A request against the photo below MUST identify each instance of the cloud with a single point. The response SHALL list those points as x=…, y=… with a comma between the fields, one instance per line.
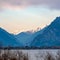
x=53, y=4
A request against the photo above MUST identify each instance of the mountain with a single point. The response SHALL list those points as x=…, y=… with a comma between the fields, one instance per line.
x=24, y=37
x=7, y=39
x=50, y=35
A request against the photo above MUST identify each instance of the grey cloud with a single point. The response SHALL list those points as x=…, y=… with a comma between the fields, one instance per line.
x=53, y=4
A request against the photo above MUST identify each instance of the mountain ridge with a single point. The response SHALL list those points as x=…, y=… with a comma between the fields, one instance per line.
x=50, y=36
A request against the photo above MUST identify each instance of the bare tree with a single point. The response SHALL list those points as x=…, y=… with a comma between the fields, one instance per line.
x=58, y=55
x=26, y=57
x=49, y=57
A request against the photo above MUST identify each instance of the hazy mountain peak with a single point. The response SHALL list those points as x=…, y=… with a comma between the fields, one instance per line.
x=55, y=24
x=57, y=19
x=1, y=28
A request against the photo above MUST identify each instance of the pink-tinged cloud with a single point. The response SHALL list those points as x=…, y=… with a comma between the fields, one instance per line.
x=54, y=4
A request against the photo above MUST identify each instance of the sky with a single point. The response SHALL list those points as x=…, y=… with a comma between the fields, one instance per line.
x=24, y=15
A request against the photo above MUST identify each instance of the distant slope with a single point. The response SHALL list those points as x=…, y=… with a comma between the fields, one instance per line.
x=50, y=35
x=7, y=39
x=24, y=37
